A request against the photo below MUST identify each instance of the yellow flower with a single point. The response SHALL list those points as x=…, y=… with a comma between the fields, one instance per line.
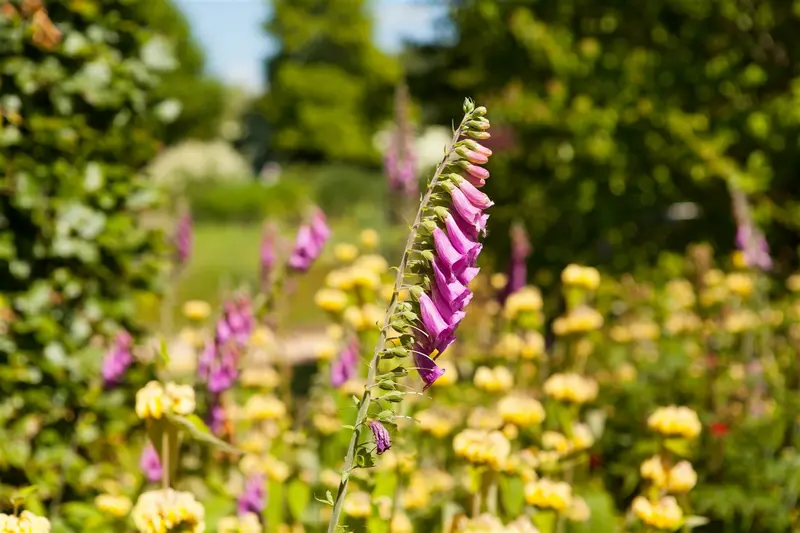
x=740, y=284
x=582, y=319
x=326, y=424
x=508, y=346
x=262, y=407
x=741, y=320
x=331, y=300
x=353, y=387
x=345, y=252
x=196, y=310
x=116, y=506
x=180, y=398
x=263, y=378
x=228, y=524
x=374, y=262
x=26, y=522
x=365, y=277
x=358, y=505
x=653, y=470
x=437, y=424
x=626, y=373
x=675, y=421
x=579, y=276
x=329, y=478
x=525, y=300
x=159, y=511
x=510, y=431
x=262, y=337
x=582, y=437
x=339, y=279
x=682, y=478
x=370, y=239
x=548, y=494
x=498, y=379
x=498, y=281
x=276, y=470
x=683, y=322
x=418, y=494
x=150, y=401
x=477, y=446
x=372, y=316
x=533, y=345
x=578, y=510
x=793, y=283
x=665, y=514
x=484, y=418
x=737, y=258
x=571, y=388
x=401, y=523
x=553, y=440
x=521, y=411
x=353, y=317
x=680, y=294
x=249, y=523
x=713, y=277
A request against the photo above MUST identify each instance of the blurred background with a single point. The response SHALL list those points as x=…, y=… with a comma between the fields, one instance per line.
x=621, y=127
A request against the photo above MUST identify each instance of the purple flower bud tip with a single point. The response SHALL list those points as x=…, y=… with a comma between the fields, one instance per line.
x=477, y=198
x=476, y=157
x=382, y=439
x=151, y=464
x=428, y=370
x=117, y=360
x=346, y=366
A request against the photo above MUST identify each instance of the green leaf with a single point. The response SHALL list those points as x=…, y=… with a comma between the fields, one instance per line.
x=692, y=522
x=680, y=447
x=195, y=426
x=512, y=494
x=298, y=495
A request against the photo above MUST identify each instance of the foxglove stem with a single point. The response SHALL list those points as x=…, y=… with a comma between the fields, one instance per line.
x=363, y=407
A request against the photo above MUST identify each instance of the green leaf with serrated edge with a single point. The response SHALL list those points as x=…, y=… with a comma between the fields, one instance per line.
x=298, y=495
x=198, y=430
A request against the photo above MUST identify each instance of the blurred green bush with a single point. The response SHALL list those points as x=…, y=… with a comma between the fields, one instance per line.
x=247, y=201
x=79, y=121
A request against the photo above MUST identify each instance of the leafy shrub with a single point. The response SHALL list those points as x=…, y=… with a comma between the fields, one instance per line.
x=247, y=201
x=76, y=128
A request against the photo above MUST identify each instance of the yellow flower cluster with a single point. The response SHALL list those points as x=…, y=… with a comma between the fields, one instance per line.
x=273, y=468
x=664, y=514
x=582, y=439
x=571, y=388
x=155, y=399
x=679, y=479
x=116, y=506
x=548, y=494
x=683, y=322
x=198, y=310
x=260, y=378
x=675, y=421
x=438, y=424
x=793, y=283
x=368, y=316
x=345, y=252
x=680, y=294
x=521, y=411
x=525, y=300
x=249, y=523
x=417, y=494
x=741, y=320
x=487, y=523
x=331, y=300
x=401, y=523
x=582, y=319
x=482, y=447
x=640, y=330
x=263, y=407
x=160, y=511
x=740, y=284
x=358, y=504
x=26, y=522
x=512, y=346
x=587, y=278
x=498, y=379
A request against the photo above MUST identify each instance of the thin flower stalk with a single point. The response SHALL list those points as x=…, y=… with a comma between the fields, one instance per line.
x=436, y=263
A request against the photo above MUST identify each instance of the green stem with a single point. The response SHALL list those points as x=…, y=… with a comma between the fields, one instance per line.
x=363, y=407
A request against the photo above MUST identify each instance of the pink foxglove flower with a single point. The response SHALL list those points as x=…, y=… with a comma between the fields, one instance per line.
x=117, y=359
x=311, y=238
x=399, y=161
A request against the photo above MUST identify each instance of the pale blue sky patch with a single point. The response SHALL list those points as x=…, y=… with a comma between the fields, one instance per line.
x=231, y=31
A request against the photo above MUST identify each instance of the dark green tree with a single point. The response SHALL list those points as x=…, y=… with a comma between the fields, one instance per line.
x=618, y=110
x=329, y=86
x=201, y=97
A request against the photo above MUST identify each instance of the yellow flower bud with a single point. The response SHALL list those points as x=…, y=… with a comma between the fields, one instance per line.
x=345, y=252
x=331, y=300
x=675, y=421
x=196, y=310
x=370, y=239
x=548, y=494
x=587, y=278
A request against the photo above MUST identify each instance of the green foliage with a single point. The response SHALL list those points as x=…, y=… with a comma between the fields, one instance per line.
x=619, y=109
x=245, y=201
x=330, y=87
x=76, y=129
x=201, y=98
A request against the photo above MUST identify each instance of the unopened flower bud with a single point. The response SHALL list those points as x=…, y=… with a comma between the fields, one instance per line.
x=479, y=111
x=480, y=135
x=481, y=125
x=469, y=106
